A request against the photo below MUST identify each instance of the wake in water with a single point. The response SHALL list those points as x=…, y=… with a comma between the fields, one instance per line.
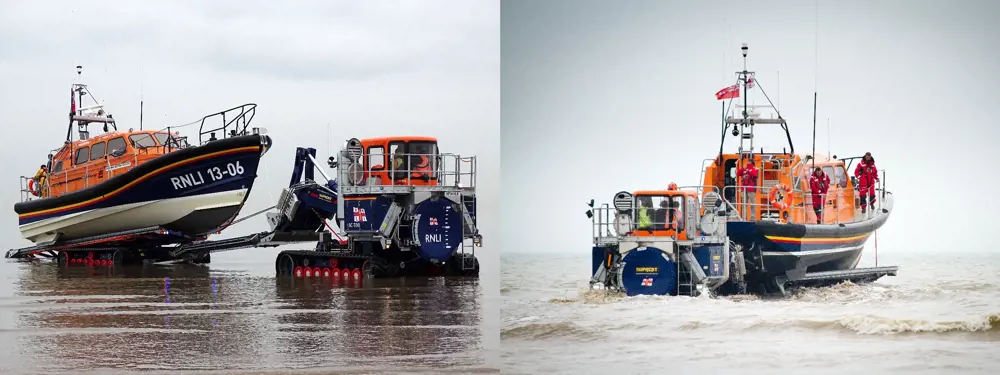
x=817, y=309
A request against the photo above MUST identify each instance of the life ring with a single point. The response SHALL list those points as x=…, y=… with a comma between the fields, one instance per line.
x=32, y=187
x=776, y=201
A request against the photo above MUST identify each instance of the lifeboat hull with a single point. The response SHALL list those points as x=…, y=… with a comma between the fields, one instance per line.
x=194, y=191
x=792, y=250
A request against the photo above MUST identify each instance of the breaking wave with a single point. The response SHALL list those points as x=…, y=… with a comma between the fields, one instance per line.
x=866, y=325
x=536, y=331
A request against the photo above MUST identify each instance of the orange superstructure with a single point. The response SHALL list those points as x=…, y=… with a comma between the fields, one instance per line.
x=83, y=163
x=784, y=181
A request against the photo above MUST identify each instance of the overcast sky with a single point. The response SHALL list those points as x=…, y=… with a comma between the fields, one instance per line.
x=590, y=88
x=365, y=68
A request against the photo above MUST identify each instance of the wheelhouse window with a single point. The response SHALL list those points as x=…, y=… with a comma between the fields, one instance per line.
x=82, y=155
x=142, y=140
x=828, y=170
x=57, y=167
x=660, y=212
x=97, y=151
x=171, y=141
x=162, y=138
x=117, y=144
x=840, y=176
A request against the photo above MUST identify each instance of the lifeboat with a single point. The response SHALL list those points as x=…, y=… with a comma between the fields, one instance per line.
x=124, y=180
x=771, y=212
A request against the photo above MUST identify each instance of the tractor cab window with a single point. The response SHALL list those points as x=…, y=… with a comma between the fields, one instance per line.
x=423, y=157
x=375, y=158
x=662, y=212
x=427, y=149
x=397, y=160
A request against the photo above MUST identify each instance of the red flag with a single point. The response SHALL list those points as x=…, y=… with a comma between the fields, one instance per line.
x=72, y=102
x=750, y=83
x=728, y=92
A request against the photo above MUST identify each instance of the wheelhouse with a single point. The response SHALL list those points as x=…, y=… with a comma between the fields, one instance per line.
x=401, y=160
x=90, y=161
x=782, y=191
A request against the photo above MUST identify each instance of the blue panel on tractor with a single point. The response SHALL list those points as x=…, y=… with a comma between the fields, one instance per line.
x=437, y=229
x=711, y=260
x=648, y=271
x=365, y=213
x=599, y=256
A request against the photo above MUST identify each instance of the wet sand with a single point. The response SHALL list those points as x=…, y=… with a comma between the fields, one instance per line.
x=234, y=316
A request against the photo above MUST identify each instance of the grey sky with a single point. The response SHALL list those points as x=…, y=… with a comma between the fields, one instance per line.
x=367, y=68
x=600, y=97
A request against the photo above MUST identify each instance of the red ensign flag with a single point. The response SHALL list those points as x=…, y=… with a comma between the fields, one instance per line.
x=728, y=92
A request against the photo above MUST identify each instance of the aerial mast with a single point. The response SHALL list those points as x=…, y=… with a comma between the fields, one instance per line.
x=74, y=103
x=746, y=95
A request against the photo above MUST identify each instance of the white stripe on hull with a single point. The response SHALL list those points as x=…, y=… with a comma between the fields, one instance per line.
x=812, y=252
x=128, y=216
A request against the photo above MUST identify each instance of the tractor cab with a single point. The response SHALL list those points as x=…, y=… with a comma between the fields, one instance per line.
x=665, y=213
x=401, y=161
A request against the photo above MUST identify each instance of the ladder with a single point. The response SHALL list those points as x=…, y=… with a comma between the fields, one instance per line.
x=685, y=283
x=469, y=236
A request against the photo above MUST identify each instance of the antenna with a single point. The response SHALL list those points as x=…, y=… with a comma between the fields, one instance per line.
x=814, y=130
x=746, y=93
x=141, y=90
x=815, y=80
x=828, y=148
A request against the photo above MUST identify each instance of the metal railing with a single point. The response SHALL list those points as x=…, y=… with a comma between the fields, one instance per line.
x=58, y=183
x=443, y=169
x=608, y=222
x=835, y=203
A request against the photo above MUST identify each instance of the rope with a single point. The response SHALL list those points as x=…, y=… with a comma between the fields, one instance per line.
x=246, y=217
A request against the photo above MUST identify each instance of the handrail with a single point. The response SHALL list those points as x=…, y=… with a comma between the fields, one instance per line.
x=443, y=169
x=804, y=198
x=241, y=119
